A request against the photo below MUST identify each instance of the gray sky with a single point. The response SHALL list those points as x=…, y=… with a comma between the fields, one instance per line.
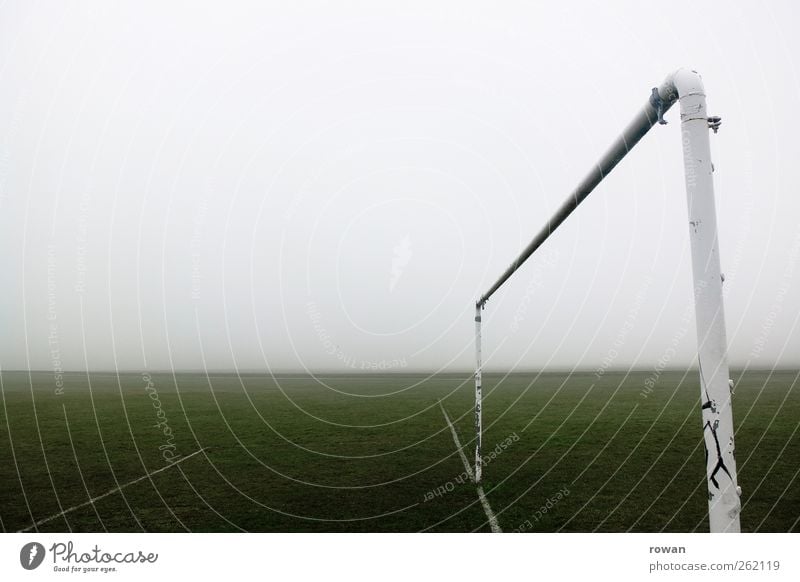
x=331, y=185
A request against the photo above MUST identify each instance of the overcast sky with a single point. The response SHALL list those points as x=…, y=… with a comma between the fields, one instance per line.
x=332, y=185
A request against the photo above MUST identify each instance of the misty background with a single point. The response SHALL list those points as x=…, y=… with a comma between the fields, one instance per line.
x=330, y=186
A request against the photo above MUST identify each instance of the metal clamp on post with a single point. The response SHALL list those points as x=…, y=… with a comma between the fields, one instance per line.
x=658, y=104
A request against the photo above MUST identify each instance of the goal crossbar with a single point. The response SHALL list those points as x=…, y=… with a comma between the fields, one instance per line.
x=686, y=87
x=652, y=112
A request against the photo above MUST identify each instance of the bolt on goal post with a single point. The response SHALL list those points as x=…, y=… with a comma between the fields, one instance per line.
x=686, y=87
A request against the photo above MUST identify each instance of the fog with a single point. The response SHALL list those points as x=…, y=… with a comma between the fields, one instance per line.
x=330, y=186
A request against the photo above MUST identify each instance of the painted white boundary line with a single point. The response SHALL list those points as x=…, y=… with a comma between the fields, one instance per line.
x=487, y=509
x=456, y=440
x=107, y=493
x=493, y=523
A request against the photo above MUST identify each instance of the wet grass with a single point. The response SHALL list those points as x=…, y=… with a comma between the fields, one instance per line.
x=374, y=453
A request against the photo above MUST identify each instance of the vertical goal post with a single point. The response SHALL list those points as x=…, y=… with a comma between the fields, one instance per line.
x=686, y=87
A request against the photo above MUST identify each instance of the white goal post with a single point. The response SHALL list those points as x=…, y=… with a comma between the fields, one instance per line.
x=685, y=86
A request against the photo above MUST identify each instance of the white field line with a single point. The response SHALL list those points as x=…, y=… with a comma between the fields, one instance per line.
x=493, y=523
x=456, y=440
x=107, y=493
x=487, y=509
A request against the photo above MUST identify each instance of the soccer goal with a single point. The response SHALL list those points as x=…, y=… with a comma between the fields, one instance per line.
x=686, y=87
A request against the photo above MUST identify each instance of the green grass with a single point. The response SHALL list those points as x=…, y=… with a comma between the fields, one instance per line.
x=364, y=453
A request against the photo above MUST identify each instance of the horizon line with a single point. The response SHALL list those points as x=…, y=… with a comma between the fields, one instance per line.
x=359, y=372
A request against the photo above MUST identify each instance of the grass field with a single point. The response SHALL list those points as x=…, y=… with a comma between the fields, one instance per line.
x=374, y=452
